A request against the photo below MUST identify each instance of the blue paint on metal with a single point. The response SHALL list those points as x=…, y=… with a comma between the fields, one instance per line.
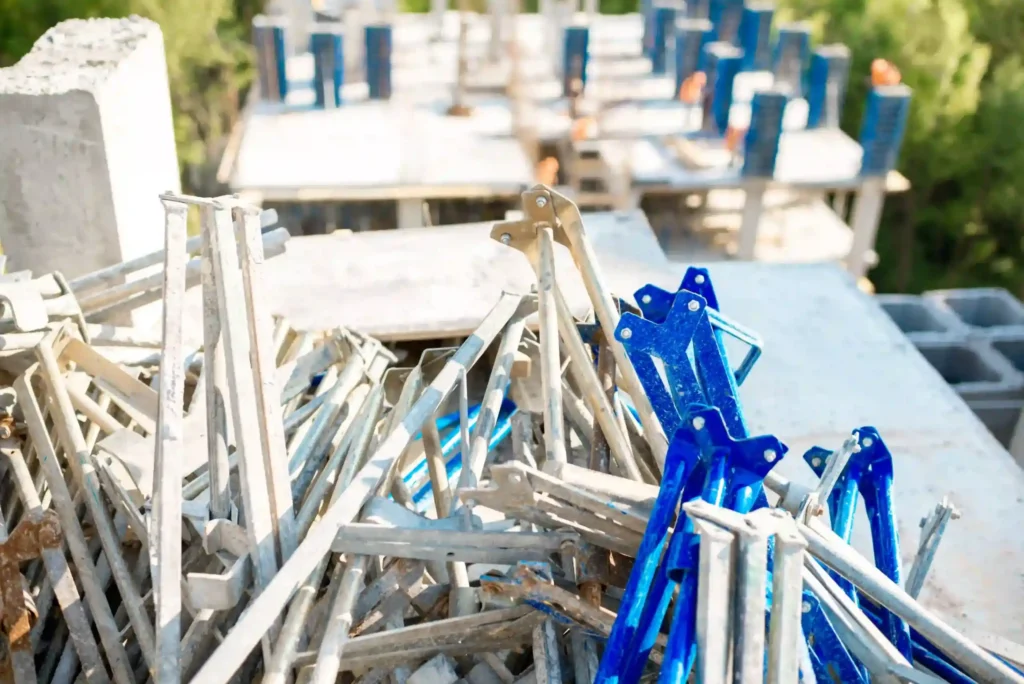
x=826, y=85
x=280, y=57
x=680, y=460
x=870, y=473
x=726, y=15
x=647, y=37
x=328, y=66
x=925, y=652
x=268, y=38
x=655, y=303
x=663, y=32
x=378, y=61
x=761, y=144
x=692, y=35
x=885, y=122
x=575, y=57
x=702, y=401
x=733, y=477
x=792, y=53
x=755, y=37
x=722, y=62
x=830, y=659
x=453, y=466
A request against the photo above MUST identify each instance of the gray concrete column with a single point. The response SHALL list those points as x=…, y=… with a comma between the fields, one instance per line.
x=86, y=145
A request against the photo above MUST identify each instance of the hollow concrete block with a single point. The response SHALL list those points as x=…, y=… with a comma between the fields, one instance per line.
x=984, y=310
x=922, y=319
x=86, y=146
x=973, y=369
x=1000, y=416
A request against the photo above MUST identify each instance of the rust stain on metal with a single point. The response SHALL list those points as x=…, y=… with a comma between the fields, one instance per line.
x=36, y=532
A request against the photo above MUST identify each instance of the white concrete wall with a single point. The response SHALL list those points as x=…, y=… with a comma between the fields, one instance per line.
x=86, y=145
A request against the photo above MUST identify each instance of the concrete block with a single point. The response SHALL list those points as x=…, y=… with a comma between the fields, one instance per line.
x=86, y=145
x=922, y=319
x=973, y=369
x=1000, y=416
x=984, y=310
x=1010, y=345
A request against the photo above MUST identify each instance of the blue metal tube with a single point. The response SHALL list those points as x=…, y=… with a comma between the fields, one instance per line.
x=378, y=61
x=576, y=53
x=680, y=561
x=885, y=542
x=328, y=66
x=755, y=37
x=453, y=467
x=448, y=444
x=679, y=462
x=664, y=26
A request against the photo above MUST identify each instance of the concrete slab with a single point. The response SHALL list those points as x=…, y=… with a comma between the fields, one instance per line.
x=430, y=282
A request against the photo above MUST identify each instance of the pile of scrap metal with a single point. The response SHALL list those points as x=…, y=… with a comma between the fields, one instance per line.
x=295, y=507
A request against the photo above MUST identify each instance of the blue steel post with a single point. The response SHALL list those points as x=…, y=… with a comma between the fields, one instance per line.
x=663, y=25
x=328, y=64
x=268, y=34
x=761, y=145
x=756, y=35
x=378, y=61
x=723, y=63
x=792, y=53
x=691, y=37
x=575, y=57
x=826, y=85
x=647, y=17
x=726, y=15
x=885, y=122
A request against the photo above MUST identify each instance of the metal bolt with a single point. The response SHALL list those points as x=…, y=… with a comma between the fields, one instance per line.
x=646, y=299
x=699, y=280
x=698, y=423
x=868, y=441
x=815, y=461
x=693, y=305
x=506, y=238
x=805, y=607
x=515, y=478
x=542, y=202
x=626, y=333
x=770, y=455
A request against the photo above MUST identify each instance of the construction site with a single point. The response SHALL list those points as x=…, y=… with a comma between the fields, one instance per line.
x=520, y=348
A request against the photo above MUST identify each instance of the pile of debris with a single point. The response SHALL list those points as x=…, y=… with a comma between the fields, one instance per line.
x=290, y=506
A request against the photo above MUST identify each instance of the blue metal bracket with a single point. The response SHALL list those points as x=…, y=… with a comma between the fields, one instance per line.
x=669, y=341
x=829, y=658
x=733, y=474
x=680, y=461
x=655, y=303
x=870, y=473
